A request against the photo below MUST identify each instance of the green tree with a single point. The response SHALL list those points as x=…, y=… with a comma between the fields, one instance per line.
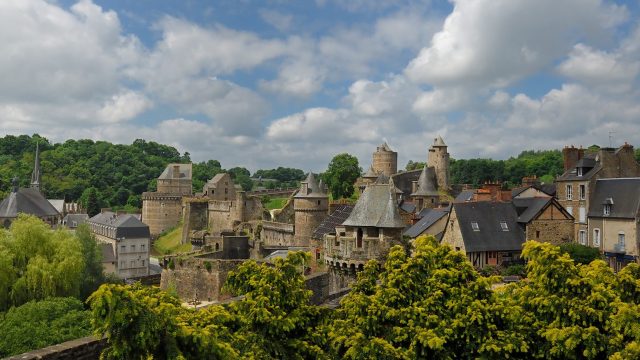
x=38, y=324
x=342, y=173
x=92, y=204
x=580, y=253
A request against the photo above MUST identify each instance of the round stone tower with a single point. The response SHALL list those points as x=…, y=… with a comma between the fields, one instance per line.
x=385, y=160
x=438, y=158
x=311, y=207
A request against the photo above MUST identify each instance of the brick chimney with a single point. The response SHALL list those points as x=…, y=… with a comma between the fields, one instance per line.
x=176, y=171
x=530, y=181
x=571, y=155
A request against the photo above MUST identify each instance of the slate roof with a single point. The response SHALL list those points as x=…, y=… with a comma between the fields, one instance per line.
x=572, y=174
x=58, y=204
x=313, y=188
x=370, y=173
x=185, y=171
x=78, y=218
x=622, y=193
x=438, y=141
x=28, y=201
x=464, y=196
x=216, y=178
x=490, y=236
x=328, y=225
x=528, y=208
x=376, y=207
x=427, y=183
x=407, y=206
x=428, y=219
x=127, y=225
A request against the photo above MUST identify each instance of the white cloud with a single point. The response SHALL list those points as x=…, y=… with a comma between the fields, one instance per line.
x=276, y=19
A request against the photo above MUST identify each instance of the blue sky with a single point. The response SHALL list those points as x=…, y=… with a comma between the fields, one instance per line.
x=292, y=83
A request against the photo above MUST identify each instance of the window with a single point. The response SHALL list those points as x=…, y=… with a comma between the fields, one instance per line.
x=142, y=247
x=143, y=263
x=582, y=237
x=123, y=248
x=579, y=171
x=621, y=239
x=606, y=211
x=122, y=264
x=569, y=192
x=504, y=226
x=133, y=248
x=359, y=238
x=570, y=210
x=596, y=237
x=133, y=263
x=537, y=234
x=583, y=192
x=583, y=214
x=475, y=226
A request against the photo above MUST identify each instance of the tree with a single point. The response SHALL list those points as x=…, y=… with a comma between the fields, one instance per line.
x=38, y=324
x=92, y=253
x=580, y=253
x=92, y=205
x=342, y=173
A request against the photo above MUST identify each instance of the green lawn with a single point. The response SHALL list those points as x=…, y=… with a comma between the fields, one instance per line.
x=169, y=243
x=276, y=203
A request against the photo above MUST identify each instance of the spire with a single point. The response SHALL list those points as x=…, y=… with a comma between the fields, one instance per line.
x=438, y=141
x=426, y=183
x=35, y=176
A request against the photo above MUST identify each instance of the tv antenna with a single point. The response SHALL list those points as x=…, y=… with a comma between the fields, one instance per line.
x=611, y=138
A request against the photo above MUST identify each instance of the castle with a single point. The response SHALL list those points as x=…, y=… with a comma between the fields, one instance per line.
x=162, y=209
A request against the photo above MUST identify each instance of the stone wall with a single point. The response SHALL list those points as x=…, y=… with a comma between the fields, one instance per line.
x=385, y=162
x=86, y=348
x=277, y=234
x=319, y=284
x=286, y=214
x=195, y=216
x=309, y=214
x=552, y=231
x=193, y=278
x=161, y=211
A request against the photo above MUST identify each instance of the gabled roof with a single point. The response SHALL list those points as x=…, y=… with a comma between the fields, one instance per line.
x=58, y=204
x=488, y=216
x=623, y=195
x=126, y=225
x=464, y=196
x=183, y=173
x=27, y=201
x=376, y=207
x=78, y=218
x=428, y=219
x=408, y=207
x=529, y=208
x=370, y=173
x=217, y=177
x=572, y=174
x=328, y=225
x=427, y=183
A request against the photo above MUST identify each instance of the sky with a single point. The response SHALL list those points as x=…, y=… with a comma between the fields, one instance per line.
x=292, y=83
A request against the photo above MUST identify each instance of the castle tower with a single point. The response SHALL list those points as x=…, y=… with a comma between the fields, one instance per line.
x=35, y=176
x=162, y=209
x=385, y=160
x=438, y=158
x=310, y=206
x=425, y=193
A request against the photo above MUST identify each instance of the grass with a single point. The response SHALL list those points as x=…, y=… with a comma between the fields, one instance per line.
x=276, y=203
x=169, y=243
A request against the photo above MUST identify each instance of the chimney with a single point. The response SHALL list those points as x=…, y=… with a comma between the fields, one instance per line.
x=414, y=186
x=530, y=181
x=176, y=171
x=571, y=155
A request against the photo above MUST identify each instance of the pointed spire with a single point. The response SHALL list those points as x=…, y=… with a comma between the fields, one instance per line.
x=426, y=183
x=438, y=141
x=35, y=176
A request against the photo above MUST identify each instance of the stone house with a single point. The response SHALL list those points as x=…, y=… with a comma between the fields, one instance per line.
x=162, y=209
x=574, y=188
x=487, y=232
x=614, y=220
x=129, y=240
x=544, y=219
x=432, y=222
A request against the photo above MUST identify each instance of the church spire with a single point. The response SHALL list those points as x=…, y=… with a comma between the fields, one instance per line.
x=35, y=176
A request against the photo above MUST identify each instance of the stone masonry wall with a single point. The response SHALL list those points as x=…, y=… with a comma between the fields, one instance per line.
x=277, y=234
x=192, y=279
x=86, y=348
x=555, y=231
x=161, y=211
x=195, y=217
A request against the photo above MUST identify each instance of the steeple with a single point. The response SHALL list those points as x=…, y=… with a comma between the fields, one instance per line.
x=35, y=176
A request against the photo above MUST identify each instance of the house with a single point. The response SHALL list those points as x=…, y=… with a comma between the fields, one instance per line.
x=72, y=221
x=614, y=220
x=574, y=188
x=487, y=232
x=544, y=219
x=432, y=222
x=129, y=240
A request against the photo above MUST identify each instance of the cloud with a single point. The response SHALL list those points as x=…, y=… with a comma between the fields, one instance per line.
x=494, y=42
x=277, y=19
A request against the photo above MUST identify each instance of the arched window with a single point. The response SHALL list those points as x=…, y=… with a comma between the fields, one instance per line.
x=359, y=238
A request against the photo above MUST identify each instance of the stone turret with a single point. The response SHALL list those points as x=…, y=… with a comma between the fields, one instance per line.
x=385, y=160
x=438, y=158
x=425, y=194
x=311, y=206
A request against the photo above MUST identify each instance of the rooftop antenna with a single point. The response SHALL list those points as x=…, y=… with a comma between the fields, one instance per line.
x=611, y=138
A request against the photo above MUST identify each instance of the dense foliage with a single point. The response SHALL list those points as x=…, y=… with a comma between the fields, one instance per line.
x=38, y=324
x=37, y=262
x=432, y=304
x=342, y=173
x=280, y=178
x=580, y=253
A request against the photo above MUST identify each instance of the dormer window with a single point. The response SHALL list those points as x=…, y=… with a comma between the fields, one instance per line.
x=475, y=226
x=504, y=226
x=606, y=210
x=579, y=171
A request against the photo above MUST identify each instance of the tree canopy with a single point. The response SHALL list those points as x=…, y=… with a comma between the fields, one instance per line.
x=37, y=262
x=342, y=173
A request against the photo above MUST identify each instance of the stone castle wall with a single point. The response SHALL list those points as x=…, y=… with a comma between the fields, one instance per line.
x=161, y=211
x=86, y=348
x=309, y=213
x=385, y=162
x=195, y=216
x=277, y=234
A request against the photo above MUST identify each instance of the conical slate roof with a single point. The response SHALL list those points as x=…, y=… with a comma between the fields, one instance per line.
x=312, y=188
x=426, y=183
x=438, y=141
x=370, y=173
x=376, y=207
